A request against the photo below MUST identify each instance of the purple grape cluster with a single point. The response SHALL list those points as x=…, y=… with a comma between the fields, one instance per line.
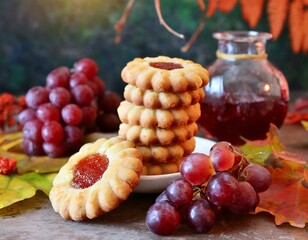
x=224, y=180
x=73, y=102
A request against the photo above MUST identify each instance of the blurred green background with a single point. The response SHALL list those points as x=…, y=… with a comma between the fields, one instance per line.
x=37, y=36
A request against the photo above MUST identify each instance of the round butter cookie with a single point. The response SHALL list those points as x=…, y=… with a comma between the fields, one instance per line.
x=158, y=136
x=162, y=168
x=96, y=179
x=162, y=118
x=165, y=74
x=166, y=154
x=164, y=100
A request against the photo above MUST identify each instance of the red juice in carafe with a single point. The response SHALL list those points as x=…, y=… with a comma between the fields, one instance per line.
x=246, y=92
x=228, y=119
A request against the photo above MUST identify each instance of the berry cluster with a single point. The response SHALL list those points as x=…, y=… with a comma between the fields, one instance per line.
x=224, y=180
x=7, y=165
x=73, y=102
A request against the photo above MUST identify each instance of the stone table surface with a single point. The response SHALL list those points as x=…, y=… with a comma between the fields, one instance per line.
x=35, y=219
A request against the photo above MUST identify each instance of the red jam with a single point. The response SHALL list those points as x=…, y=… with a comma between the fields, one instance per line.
x=89, y=170
x=166, y=65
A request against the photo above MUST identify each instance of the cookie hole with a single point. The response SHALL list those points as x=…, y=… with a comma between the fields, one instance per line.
x=89, y=170
x=166, y=65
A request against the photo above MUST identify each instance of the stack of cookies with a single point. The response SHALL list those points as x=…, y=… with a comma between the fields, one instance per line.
x=160, y=110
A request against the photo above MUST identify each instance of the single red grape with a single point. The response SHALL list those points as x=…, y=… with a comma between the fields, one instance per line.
x=258, y=176
x=162, y=197
x=32, y=131
x=26, y=115
x=82, y=95
x=180, y=192
x=197, y=168
x=36, y=96
x=222, y=155
x=60, y=97
x=32, y=148
x=48, y=112
x=54, y=150
x=200, y=216
x=73, y=136
x=89, y=116
x=52, y=132
x=245, y=199
x=108, y=122
x=93, y=87
x=77, y=78
x=101, y=85
x=109, y=102
x=87, y=66
x=59, y=77
x=221, y=188
x=71, y=114
x=162, y=218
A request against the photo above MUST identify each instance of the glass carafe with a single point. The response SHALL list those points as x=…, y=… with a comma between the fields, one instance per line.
x=246, y=92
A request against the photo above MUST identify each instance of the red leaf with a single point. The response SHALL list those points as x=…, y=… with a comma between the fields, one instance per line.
x=212, y=6
x=226, y=5
x=277, y=11
x=286, y=198
x=252, y=11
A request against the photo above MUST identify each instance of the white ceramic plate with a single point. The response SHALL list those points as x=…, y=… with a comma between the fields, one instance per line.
x=158, y=183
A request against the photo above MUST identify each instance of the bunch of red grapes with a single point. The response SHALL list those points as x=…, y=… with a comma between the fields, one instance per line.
x=224, y=180
x=74, y=102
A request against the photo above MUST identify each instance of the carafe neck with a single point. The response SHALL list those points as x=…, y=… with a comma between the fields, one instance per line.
x=233, y=45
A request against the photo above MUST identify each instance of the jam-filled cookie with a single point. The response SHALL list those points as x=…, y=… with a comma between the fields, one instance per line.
x=96, y=179
x=162, y=136
x=166, y=154
x=165, y=74
x=162, y=118
x=164, y=100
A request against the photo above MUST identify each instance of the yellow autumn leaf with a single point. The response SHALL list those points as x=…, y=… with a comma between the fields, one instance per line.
x=305, y=124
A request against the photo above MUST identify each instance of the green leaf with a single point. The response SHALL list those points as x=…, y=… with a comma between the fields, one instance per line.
x=259, y=151
x=15, y=188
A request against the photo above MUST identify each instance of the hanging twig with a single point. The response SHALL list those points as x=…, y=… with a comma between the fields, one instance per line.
x=162, y=21
x=193, y=38
x=120, y=24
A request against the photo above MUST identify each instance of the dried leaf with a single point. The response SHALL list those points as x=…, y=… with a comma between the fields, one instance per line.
x=296, y=25
x=277, y=11
x=212, y=6
x=252, y=11
x=305, y=33
x=226, y=5
x=286, y=198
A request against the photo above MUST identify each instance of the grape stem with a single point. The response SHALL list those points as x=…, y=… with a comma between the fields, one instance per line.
x=198, y=189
